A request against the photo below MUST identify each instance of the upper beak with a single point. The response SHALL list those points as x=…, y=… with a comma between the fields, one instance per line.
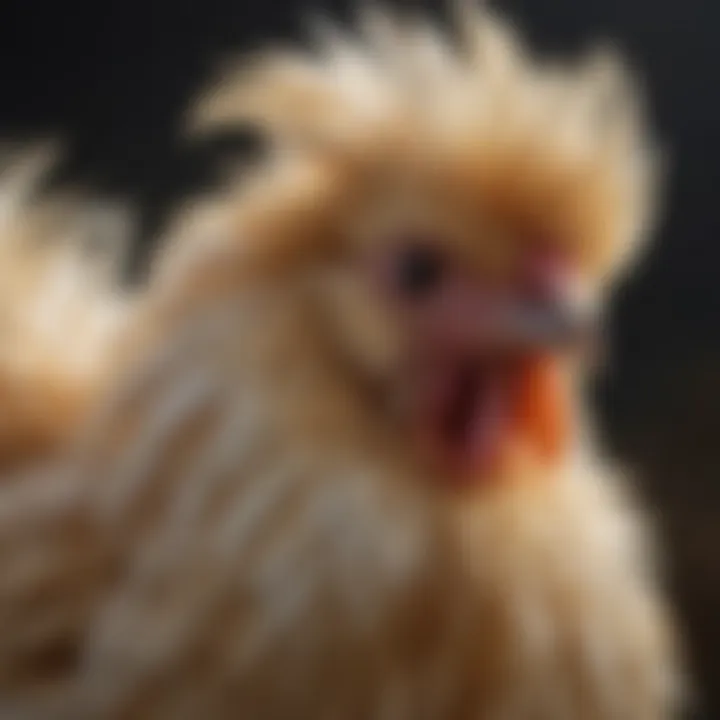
x=552, y=325
x=480, y=321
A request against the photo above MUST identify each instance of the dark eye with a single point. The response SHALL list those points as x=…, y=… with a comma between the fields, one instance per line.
x=420, y=270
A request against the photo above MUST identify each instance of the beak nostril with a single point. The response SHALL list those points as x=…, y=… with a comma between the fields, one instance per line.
x=547, y=277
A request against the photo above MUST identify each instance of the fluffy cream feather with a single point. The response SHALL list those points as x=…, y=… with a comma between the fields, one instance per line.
x=61, y=304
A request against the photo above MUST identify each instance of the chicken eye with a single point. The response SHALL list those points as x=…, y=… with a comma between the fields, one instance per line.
x=420, y=271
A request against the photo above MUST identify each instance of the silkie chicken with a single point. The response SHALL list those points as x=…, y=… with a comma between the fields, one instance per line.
x=331, y=463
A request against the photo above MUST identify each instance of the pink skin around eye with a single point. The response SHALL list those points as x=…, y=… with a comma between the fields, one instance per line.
x=453, y=312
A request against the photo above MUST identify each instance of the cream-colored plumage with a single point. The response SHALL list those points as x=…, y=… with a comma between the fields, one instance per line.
x=60, y=303
x=240, y=527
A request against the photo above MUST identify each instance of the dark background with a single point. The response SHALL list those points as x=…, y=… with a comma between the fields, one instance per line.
x=112, y=78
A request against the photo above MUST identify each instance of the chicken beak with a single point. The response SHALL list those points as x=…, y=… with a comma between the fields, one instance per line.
x=560, y=326
x=483, y=323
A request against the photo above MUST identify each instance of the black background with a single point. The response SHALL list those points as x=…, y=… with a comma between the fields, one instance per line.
x=112, y=78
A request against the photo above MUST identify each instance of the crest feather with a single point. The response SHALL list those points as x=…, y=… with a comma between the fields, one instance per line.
x=395, y=62
x=60, y=266
x=400, y=79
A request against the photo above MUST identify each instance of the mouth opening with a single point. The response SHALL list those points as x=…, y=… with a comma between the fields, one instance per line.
x=466, y=390
x=471, y=419
x=487, y=407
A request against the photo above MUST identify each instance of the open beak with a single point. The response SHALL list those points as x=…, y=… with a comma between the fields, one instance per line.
x=501, y=378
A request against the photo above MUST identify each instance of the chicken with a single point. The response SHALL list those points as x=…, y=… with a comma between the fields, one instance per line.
x=338, y=464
